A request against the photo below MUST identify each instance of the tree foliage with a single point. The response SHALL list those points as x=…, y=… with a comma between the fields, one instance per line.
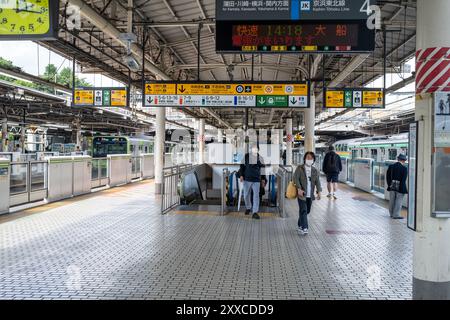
x=51, y=74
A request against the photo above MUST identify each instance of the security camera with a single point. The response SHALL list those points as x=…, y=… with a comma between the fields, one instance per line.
x=131, y=63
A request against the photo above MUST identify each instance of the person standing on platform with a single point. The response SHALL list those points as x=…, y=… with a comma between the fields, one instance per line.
x=332, y=166
x=250, y=174
x=396, y=176
x=306, y=179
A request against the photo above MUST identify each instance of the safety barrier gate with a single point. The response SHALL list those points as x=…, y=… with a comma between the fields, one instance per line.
x=28, y=182
x=170, y=196
x=100, y=173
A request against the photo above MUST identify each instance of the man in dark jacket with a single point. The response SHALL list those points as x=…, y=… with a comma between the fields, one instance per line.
x=332, y=166
x=250, y=175
x=396, y=176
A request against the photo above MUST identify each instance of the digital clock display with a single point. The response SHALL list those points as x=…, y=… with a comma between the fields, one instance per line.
x=294, y=36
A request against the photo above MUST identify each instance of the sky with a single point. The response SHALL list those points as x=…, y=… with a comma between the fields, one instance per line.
x=24, y=54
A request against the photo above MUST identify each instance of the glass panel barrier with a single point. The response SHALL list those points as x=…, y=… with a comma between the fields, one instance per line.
x=103, y=165
x=18, y=179
x=38, y=176
x=95, y=169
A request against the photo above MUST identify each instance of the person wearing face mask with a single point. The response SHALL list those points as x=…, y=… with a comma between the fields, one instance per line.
x=306, y=179
x=250, y=174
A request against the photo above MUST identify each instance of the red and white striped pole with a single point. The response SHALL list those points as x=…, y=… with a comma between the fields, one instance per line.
x=431, y=256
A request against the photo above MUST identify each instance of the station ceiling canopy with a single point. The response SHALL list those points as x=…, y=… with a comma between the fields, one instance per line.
x=171, y=51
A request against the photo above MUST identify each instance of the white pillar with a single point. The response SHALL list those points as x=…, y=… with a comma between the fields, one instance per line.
x=160, y=137
x=431, y=256
x=201, y=140
x=219, y=135
x=289, y=139
x=310, y=121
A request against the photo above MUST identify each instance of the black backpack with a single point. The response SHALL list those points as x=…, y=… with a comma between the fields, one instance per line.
x=332, y=163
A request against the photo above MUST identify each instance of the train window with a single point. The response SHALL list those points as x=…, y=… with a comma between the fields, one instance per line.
x=392, y=154
x=374, y=154
x=362, y=155
x=354, y=154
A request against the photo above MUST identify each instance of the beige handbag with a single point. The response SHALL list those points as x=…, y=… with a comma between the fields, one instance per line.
x=291, y=191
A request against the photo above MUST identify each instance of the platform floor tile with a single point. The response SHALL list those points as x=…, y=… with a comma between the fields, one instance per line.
x=116, y=245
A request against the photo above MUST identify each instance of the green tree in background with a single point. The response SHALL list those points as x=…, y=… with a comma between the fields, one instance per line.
x=64, y=77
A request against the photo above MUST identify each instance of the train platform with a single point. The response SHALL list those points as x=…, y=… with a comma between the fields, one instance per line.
x=115, y=244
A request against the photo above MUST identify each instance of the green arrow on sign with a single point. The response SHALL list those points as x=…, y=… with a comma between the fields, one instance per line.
x=272, y=101
x=348, y=101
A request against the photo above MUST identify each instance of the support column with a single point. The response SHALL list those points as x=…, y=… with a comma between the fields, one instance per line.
x=160, y=137
x=289, y=139
x=310, y=121
x=219, y=135
x=201, y=141
x=431, y=253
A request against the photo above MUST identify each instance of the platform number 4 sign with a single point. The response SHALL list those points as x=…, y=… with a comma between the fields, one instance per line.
x=305, y=5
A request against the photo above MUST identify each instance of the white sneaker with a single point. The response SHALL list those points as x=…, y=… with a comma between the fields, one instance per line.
x=334, y=196
x=329, y=195
x=300, y=231
x=305, y=231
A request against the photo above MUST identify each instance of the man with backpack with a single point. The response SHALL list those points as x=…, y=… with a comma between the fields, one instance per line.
x=250, y=174
x=332, y=166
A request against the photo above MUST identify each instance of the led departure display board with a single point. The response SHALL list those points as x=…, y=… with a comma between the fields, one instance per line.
x=294, y=37
x=227, y=94
x=293, y=26
x=354, y=98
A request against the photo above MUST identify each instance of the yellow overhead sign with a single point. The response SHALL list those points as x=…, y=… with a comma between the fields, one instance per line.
x=335, y=99
x=373, y=98
x=118, y=98
x=160, y=88
x=84, y=97
x=300, y=89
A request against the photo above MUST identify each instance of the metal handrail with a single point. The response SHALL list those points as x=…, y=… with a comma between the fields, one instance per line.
x=223, y=199
x=170, y=197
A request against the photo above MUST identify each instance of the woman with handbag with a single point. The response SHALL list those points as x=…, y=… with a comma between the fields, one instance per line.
x=396, y=176
x=306, y=179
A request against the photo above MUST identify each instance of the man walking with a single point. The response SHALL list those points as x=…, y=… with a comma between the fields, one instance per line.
x=332, y=166
x=250, y=174
x=396, y=176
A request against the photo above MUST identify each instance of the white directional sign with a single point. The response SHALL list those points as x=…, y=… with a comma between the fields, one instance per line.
x=219, y=101
x=192, y=101
x=357, y=99
x=298, y=101
x=98, y=98
x=162, y=100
